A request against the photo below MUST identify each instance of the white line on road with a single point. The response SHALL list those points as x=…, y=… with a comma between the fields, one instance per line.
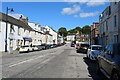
x=25, y=61
x=32, y=60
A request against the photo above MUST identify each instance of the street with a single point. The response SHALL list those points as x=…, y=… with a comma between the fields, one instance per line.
x=60, y=62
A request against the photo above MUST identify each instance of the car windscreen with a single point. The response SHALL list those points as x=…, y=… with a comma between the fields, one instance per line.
x=24, y=46
x=42, y=44
x=84, y=45
x=34, y=45
x=96, y=48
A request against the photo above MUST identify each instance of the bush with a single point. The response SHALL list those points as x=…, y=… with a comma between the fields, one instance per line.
x=17, y=48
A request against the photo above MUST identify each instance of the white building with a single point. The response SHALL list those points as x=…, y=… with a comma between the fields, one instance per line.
x=70, y=37
x=60, y=39
x=52, y=36
x=36, y=34
x=21, y=32
x=16, y=32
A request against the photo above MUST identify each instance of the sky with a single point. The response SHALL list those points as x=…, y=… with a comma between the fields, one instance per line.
x=58, y=14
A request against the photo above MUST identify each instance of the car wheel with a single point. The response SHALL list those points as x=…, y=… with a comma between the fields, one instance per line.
x=115, y=76
x=97, y=68
x=77, y=51
x=28, y=50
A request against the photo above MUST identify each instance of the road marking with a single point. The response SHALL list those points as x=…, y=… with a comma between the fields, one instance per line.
x=48, y=59
x=25, y=61
x=45, y=61
x=32, y=60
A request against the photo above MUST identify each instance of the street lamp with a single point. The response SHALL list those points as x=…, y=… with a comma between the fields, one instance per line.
x=11, y=10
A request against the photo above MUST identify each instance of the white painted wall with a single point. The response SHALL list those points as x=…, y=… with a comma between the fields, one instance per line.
x=70, y=37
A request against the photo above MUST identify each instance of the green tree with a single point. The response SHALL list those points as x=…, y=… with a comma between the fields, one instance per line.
x=62, y=31
x=75, y=30
x=78, y=28
x=86, y=29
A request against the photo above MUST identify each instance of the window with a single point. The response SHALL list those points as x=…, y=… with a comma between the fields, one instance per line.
x=115, y=2
x=18, y=30
x=115, y=38
x=106, y=25
x=103, y=27
x=12, y=28
x=115, y=21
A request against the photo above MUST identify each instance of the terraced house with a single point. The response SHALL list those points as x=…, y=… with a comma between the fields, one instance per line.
x=20, y=32
x=109, y=27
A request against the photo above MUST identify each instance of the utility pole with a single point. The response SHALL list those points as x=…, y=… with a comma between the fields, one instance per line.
x=7, y=9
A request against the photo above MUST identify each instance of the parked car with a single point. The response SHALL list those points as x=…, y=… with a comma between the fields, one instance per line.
x=43, y=46
x=54, y=45
x=77, y=45
x=25, y=48
x=37, y=47
x=93, y=51
x=64, y=43
x=83, y=48
x=72, y=45
x=60, y=44
x=109, y=62
x=48, y=46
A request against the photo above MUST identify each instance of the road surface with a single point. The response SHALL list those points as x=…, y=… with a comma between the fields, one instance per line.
x=60, y=62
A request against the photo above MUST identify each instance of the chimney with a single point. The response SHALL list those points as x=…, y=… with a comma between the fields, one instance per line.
x=25, y=20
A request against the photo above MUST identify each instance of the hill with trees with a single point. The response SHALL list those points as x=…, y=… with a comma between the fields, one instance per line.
x=84, y=30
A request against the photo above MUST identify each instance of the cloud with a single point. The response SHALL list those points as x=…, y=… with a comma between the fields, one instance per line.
x=89, y=2
x=72, y=10
x=75, y=16
x=96, y=2
x=86, y=0
x=83, y=15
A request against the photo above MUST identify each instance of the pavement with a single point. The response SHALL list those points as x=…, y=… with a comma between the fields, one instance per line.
x=60, y=62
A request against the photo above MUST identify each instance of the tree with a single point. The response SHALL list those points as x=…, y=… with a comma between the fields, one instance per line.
x=86, y=29
x=75, y=30
x=78, y=28
x=62, y=31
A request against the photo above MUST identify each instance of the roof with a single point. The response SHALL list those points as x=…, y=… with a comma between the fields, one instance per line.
x=51, y=28
x=15, y=21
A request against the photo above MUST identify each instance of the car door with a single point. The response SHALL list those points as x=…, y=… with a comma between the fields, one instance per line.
x=102, y=58
x=109, y=59
x=108, y=64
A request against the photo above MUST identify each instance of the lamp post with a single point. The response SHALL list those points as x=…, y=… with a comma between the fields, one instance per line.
x=11, y=10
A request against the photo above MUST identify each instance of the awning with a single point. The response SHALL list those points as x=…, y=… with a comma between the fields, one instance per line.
x=27, y=38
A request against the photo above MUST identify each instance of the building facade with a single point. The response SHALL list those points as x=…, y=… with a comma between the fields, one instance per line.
x=94, y=33
x=52, y=35
x=16, y=33
x=70, y=37
x=20, y=32
x=109, y=24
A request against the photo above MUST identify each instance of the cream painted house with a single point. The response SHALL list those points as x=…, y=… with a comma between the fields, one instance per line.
x=52, y=35
x=16, y=32
x=108, y=29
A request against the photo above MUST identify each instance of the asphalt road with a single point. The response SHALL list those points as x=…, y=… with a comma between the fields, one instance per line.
x=60, y=62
